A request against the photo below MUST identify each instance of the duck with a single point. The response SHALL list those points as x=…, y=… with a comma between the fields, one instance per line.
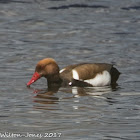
x=80, y=75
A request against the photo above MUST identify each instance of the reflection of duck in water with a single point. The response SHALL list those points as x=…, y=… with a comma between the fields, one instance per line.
x=81, y=75
x=44, y=98
x=48, y=100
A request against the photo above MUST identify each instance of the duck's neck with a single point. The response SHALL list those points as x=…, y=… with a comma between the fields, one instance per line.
x=54, y=80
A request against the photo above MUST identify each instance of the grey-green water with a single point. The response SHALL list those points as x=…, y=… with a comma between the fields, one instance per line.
x=70, y=32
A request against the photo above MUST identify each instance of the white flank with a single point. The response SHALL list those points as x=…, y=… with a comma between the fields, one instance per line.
x=75, y=74
x=102, y=79
x=61, y=70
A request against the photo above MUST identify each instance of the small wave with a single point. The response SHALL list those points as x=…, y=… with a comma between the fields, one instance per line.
x=77, y=6
x=131, y=8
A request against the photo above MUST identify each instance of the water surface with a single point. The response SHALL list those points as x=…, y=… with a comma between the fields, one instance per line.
x=70, y=32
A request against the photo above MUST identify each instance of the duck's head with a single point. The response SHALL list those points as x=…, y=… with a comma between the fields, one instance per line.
x=45, y=68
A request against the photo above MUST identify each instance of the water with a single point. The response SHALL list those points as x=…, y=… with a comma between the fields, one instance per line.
x=70, y=32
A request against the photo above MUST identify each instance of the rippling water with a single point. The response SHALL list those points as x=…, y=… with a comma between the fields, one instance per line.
x=70, y=32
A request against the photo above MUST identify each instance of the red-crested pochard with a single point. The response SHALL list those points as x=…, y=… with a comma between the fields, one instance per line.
x=84, y=74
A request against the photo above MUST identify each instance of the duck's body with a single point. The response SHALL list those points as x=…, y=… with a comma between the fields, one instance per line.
x=85, y=74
